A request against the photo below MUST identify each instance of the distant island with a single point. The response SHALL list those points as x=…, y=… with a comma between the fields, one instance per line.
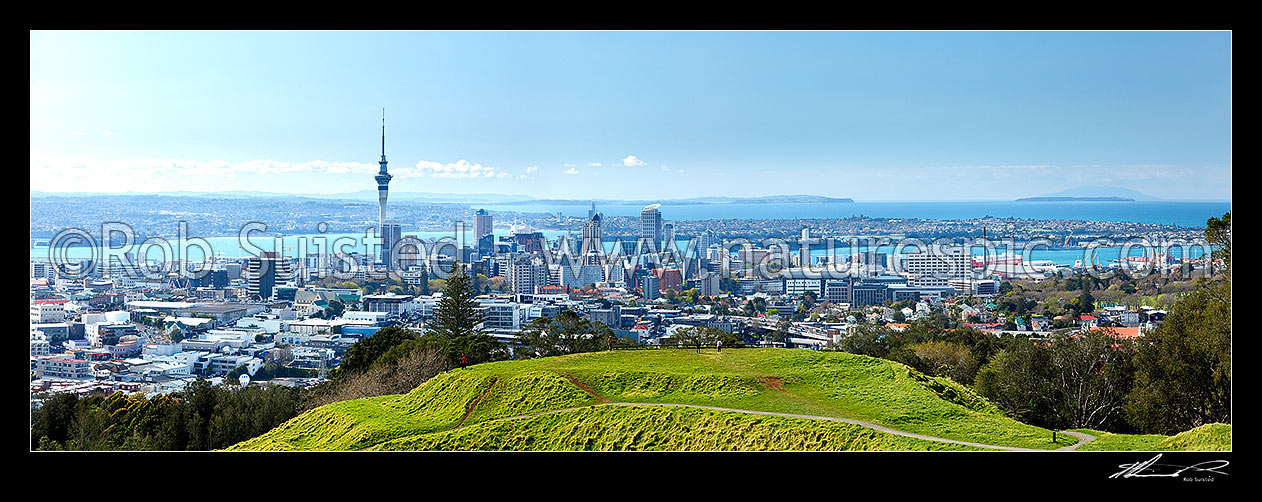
x=1075, y=199
x=1095, y=193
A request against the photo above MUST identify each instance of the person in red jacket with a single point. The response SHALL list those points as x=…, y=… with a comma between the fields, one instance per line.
x=463, y=361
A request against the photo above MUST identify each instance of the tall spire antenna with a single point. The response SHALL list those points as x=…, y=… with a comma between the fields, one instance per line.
x=383, y=131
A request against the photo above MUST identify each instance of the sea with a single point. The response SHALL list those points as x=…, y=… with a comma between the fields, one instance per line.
x=1181, y=213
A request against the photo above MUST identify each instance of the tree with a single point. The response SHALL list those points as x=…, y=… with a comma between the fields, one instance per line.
x=781, y=333
x=567, y=333
x=946, y=359
x=866, y=339
x=1218, y=233
x=1018, y=381
x=1092, y=376
x=424, y=280
x=50, y=424
x=1183, y=368
x=364, y=353
x=706, y=336
x=458, y=321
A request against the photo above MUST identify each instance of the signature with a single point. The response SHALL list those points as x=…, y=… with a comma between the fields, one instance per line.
x=1151, y=469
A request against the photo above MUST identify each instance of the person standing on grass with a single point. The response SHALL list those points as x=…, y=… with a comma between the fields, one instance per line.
x=718, y=344
x=463, y=361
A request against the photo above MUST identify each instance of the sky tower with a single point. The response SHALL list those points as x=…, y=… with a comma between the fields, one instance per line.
x=383, y=177
x=388, y=230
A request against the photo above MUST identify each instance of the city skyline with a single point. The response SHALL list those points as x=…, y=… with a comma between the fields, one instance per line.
x=635, y=115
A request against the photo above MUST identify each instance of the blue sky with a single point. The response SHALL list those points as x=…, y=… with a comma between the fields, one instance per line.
x=867, y=115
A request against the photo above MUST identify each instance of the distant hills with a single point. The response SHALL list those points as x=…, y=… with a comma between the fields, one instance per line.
x=1096, y=193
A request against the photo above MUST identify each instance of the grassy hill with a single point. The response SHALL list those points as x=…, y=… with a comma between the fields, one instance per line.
x=580, y=402
x=1216, y=437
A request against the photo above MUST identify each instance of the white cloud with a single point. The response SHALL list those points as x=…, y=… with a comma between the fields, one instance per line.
x=106, y=133
x=570, y=171
x=594, y=164
x=531, y=169
x=459, y=170
x=631, y=161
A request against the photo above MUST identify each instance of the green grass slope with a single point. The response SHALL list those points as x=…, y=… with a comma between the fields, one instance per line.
x=1215, y=437
x=489, y=406
x=648, y=428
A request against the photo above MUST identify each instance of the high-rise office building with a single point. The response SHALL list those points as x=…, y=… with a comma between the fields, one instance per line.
x=591, y=246
x=709, y=284
x=650, y=287
x=263, y=273
x=481, y=224
x=935, y=268
x=527, y=272
x=391, y=232
x=706, y=239
x=651, y=227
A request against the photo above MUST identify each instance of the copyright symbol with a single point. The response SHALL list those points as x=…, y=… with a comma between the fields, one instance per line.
x=59, y=251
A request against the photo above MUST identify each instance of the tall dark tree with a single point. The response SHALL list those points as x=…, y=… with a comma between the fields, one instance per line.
x=458, y=321
x=424, y=280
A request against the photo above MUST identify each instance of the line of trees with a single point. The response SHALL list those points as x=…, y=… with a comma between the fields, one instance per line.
x=201, y=417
